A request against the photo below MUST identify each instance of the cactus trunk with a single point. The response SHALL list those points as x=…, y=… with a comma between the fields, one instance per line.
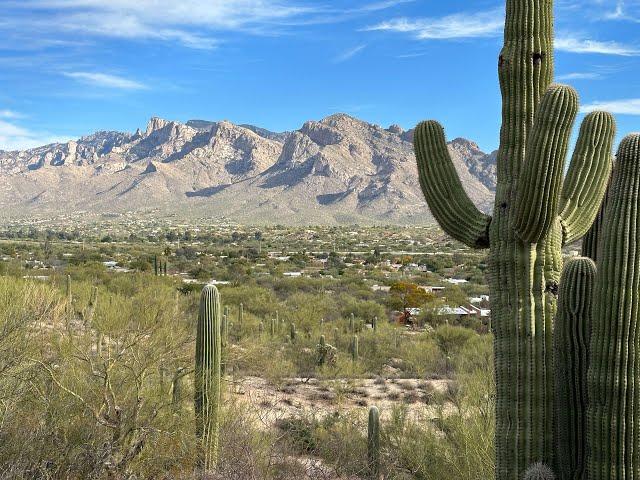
x=355, y=347
x=535, y=214
x=613, y=380
x=207, y=377
x=373, y=443
x=571, y=347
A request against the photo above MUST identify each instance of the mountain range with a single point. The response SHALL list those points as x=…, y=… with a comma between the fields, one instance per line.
x=339, y=170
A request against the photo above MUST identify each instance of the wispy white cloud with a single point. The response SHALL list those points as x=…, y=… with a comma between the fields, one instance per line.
x=629, y=106
x=191, y=23
x=579, y=76
x=10, y=114
x=350, y=53
x=459, y=25
x=382, y=5
x=578, y=45
x=106, y=80
x=14, y=137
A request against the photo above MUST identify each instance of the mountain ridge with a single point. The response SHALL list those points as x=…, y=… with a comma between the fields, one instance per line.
x=332, y=171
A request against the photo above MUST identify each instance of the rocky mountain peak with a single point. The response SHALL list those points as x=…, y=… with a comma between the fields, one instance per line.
x=156, y=123
x=336, y=170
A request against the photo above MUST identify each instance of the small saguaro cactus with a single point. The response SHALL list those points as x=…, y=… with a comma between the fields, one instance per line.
x=352, y=324
x=292, y=332
x=539, y=471
x=336, y=335
x=613, y=381
x=155, y=265
x=536, y=213
x=355, y=346
x=261, y=328
x=571, y=342
x=272, y=327
x=225, y=331
x=374, y=324
x=373, y=443
x=207, y=377
x=90, y=310
x=240, y=315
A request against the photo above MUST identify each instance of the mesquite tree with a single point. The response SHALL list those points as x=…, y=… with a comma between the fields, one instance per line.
x=535, y=214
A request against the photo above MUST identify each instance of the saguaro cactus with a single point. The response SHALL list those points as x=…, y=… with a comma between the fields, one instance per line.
x=613, y=380
x=292, y=332
x=355, y=347
x=207, y=377
x=571, y=340
x=535, y=214
x=373, y=443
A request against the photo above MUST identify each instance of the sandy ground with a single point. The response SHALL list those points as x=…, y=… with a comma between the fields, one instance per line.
x=298, y=396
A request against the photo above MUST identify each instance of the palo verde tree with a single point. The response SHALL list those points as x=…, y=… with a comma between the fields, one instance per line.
x=535, y=214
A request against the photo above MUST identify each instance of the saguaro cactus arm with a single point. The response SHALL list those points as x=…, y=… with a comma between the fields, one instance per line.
x=571, y=348
x=588, y=176
x=449, y=203
x=613, y=421
x=540, y=182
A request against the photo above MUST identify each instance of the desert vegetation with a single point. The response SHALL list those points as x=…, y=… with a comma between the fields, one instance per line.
x=98, y=372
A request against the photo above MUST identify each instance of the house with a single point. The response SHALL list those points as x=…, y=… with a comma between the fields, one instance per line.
x=292, y=274
x=470, y=311
x=381, y=288
x=431, y=289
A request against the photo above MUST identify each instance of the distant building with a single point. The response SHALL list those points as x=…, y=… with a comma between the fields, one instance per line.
x=292, y=274
x=431, y=289
x=470, y=311
x=381, y=288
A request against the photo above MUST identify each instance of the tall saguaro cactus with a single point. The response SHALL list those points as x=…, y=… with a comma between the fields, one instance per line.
x=571, y=338
x=613, y=379
x=535, y=214
x=373, y=443
x=207, y=377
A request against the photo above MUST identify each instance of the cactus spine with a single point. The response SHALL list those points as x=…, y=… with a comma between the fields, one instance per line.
x=373, y=443
x=571, y=341
x=535, y=214
x=539, y=471
x=613, y=380
x=207, y=377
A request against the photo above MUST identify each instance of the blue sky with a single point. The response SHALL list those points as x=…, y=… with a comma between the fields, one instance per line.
x=71, y=67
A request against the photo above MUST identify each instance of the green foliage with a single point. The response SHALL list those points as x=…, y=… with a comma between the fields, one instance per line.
x=405, y=295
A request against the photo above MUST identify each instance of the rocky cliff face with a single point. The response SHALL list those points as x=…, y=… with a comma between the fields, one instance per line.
x=337, y=170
